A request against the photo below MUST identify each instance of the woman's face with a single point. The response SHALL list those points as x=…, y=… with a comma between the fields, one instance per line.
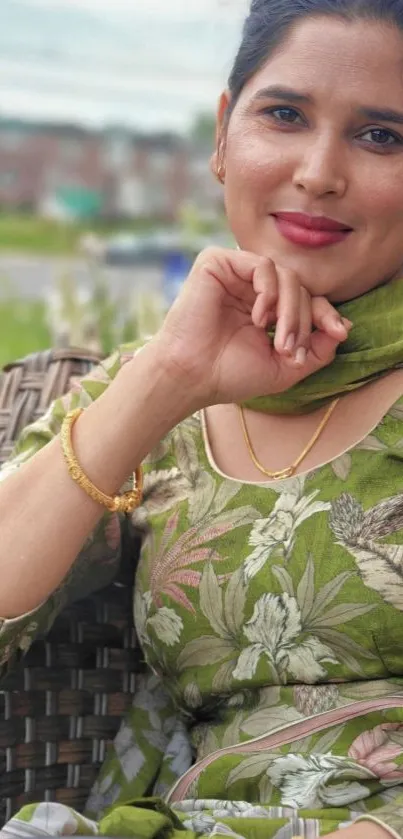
x=319, y=149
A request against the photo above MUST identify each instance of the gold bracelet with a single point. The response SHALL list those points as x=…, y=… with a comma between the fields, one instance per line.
x=125, y=503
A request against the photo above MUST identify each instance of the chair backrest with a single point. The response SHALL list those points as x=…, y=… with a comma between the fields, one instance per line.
x=63, y=703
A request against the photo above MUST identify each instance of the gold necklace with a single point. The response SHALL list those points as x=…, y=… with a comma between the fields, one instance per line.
x=285, y=473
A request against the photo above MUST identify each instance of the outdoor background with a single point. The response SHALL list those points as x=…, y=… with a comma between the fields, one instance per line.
x=106, y=129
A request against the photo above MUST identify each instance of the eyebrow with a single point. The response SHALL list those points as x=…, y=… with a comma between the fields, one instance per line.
x=281, y=93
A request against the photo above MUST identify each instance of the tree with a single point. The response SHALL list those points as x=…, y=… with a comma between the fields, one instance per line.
x=203, y=130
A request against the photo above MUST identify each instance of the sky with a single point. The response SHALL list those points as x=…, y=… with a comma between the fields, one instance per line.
x=149, y=64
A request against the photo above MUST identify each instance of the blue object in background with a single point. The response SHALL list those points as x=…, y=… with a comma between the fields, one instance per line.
x=176, y=267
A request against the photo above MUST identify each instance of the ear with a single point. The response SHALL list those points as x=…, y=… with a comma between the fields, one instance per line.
x=218, y=157
x=222, y=110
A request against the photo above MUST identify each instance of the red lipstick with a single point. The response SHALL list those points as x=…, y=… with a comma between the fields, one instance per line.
x=311, y=231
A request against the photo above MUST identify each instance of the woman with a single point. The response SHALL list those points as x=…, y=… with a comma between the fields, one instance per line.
x=267, y=413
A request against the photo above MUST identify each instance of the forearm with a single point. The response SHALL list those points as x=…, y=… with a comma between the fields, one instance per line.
x=45, y=517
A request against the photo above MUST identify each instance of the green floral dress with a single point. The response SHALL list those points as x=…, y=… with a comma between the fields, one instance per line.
x=271, y=618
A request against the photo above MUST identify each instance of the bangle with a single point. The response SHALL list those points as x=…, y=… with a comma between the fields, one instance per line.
x=125, y=503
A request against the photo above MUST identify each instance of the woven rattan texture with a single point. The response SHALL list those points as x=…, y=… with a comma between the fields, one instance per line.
x=62, y=704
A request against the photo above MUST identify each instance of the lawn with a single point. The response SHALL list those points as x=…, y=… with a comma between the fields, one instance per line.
x=31, y=234
x=23, y=328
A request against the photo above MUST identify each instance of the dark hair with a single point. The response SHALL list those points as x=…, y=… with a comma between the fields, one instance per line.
x=270, y=21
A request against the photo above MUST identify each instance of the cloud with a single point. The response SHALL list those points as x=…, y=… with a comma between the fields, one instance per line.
x=148, y=62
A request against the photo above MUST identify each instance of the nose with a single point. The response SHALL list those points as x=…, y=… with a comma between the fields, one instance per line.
x=320, y=170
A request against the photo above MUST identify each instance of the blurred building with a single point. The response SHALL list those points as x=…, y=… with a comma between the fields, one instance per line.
x=69, y=172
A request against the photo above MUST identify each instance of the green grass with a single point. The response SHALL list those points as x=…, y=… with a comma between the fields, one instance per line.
x=23, y=328
x=30, y=234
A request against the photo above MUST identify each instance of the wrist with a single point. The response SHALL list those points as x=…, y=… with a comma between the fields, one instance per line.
x=179, y=389
x=158, y=389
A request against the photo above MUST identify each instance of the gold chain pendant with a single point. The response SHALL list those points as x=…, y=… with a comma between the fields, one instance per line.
x=290, y=471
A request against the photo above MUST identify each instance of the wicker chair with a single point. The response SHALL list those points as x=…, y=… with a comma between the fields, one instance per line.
x=62, y=705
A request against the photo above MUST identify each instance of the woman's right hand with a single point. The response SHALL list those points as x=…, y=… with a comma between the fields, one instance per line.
x=215, y=336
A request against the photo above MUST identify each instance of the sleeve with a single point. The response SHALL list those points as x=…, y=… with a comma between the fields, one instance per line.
x=102, y=549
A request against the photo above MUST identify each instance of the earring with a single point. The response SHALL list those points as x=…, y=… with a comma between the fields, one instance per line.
x=220, y=173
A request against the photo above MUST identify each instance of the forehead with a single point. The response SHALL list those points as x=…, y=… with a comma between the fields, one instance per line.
x=361, y=60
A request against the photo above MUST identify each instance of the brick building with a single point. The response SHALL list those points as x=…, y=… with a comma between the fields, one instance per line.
x=68, y=171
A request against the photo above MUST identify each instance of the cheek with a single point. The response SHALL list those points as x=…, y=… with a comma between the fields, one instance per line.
x=381, y=199
x=253, y=164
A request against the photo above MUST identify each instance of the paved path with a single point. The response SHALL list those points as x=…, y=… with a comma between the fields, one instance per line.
x=33, y=276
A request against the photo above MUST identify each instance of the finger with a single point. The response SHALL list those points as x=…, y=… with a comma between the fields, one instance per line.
x=327, y=318
x=303, y=341
x=321, y=354
x=323, y=350
x=265, y=286
x=288, y=311
x=232, y=271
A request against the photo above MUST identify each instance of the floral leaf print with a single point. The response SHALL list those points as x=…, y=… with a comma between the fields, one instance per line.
x=375, y=750
x=192, y=695
x=382, y=570
x=168, y=564
x=397, y=737
x=284, y=579
x=232, y=733
x=341, y=614
x=274, y=631
x=159, y=452
x=328, y=740
x=162, y=490
x=167, y=626
x=204, y=651
x=217, y=526
x=265, y=794
x=142, y=603
x=177, y=594
x=234, y=602
x=397, y=412
x=314, y=699
x=206, y=742
x=268, y=719
x=276, y=534
x=327, y=593
x=342, y=466
x=186, y=450
x=223, y=676
x=226, y=492
x=310, y=781
x=384, y=519
x=211, y=601
x=345, y=649
x=306, y=589
x=371, y=444
x=250, y=767
x=380, y=566
x=239, y=517
x=201, y=498
x=367, y=690
x=223, y=619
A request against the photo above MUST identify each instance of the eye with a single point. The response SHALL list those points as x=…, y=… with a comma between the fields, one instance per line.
x=383, y=138
x=283, y=114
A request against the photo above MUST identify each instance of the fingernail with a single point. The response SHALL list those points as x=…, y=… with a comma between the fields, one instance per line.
x=300, y=356
x=340, y=325
x=290, y=343
x=347, y=323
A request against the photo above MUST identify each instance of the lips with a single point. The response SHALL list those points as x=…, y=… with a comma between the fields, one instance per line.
x=312, y=222
x=310, y=231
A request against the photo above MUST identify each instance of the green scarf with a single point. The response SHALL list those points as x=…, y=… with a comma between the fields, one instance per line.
x=373, y=348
